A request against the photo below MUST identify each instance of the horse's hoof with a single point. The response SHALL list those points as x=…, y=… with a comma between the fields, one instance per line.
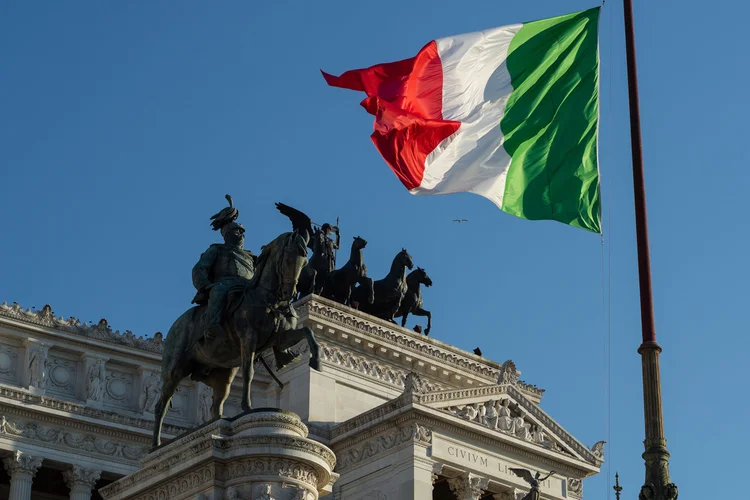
x=315, y=364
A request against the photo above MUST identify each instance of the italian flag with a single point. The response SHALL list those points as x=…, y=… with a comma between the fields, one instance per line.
x=508, y=113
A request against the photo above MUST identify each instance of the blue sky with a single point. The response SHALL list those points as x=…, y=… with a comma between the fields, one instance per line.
x=125, y=123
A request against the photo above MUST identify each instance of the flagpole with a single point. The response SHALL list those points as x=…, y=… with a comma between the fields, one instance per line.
x=656, y=456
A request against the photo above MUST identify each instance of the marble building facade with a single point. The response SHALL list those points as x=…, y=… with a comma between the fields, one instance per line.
x=407, y=416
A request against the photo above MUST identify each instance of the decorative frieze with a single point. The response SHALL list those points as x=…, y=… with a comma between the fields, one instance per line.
x=86, y=411
x=370, y=367
x=59, y=437
x=384, y=442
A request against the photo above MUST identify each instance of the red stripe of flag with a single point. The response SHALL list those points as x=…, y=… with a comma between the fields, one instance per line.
x=406, y=98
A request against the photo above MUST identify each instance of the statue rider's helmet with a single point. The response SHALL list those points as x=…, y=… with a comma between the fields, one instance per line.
x=326, y=228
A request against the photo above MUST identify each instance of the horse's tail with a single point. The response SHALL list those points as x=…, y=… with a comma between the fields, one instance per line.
x=179, y=339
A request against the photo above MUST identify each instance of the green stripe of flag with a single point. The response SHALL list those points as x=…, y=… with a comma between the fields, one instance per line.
x=551, y=121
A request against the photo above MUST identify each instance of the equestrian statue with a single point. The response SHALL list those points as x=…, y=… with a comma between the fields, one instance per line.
x=244, y=308
x=412, y=302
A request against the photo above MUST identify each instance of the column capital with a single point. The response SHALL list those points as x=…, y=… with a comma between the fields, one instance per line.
x=22, y=463
x=437, y=469
x=77, y=476
x=506, y=495
x=468, y=486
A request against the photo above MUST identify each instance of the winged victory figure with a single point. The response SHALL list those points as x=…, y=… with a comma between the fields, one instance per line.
x=532, y=480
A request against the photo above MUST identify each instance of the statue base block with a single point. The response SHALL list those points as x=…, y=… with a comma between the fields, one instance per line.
x=261, y=454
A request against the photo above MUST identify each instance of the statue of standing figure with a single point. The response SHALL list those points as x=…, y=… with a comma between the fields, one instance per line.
x=95, y=381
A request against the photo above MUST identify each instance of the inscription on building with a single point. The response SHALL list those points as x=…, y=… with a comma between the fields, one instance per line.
x=490, y=466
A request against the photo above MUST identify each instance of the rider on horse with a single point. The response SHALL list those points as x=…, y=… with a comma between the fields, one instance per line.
x=221, y=267
x=323, y=259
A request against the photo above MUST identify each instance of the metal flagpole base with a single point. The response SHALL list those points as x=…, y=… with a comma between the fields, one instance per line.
x=656, y=456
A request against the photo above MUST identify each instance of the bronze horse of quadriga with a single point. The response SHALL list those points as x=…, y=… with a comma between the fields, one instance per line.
x=412, y=303
x=258, y=317
x=339, y=284
x=389, y=292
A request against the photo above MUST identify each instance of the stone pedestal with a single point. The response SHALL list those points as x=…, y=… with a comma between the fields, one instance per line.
x=262, y=454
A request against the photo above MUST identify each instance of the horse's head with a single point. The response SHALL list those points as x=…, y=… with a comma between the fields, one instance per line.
x=422, y=277
x=359, y=243
x=405, y=259
x=291, y=260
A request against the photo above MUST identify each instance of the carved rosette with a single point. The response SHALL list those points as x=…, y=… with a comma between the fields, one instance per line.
x=23, y=464
x=468, y=486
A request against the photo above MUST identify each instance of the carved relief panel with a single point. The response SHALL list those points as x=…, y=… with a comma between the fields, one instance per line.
x=118, y=387
x=9, y=364
x=62, y=375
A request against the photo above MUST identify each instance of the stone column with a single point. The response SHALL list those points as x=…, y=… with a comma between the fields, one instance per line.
x=22, y=469
x=468, y=486
x=81, y=481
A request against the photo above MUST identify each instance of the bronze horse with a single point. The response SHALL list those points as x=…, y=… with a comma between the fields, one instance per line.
x=339, y=283
x=389, y=292
x=258, y=317
x=412, y=303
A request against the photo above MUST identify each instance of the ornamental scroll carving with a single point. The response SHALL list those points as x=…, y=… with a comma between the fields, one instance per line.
x=180, y=486
x=100, y=331
x=409, y=433
x=370, y=367
x=75, y=440
x=273, y=466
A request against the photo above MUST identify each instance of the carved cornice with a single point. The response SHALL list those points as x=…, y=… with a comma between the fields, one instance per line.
x=86, y=411
x=22, y=463
x=391, y=334
x=101, y=331
x=62, y=438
